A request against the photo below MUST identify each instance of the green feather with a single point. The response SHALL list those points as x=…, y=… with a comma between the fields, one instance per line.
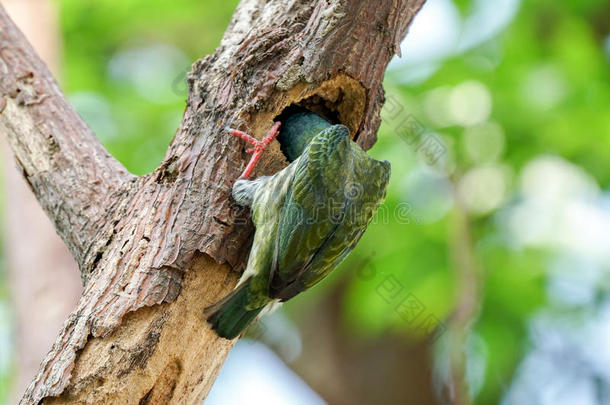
x=229, y=317
x=332, y=216
x=298, y=130
x=308, y=217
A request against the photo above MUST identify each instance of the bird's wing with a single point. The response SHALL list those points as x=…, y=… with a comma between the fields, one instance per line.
x=364, y=191
x=320, y=221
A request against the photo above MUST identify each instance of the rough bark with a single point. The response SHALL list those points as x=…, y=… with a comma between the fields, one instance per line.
x=43, y=277
x=155, y=250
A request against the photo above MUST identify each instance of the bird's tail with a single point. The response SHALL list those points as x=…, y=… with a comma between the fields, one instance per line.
x=229, y=317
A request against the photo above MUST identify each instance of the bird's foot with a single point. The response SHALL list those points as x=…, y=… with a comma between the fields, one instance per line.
x=258, y=147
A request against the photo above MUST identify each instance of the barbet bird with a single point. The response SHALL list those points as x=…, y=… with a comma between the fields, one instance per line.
x=308, y=216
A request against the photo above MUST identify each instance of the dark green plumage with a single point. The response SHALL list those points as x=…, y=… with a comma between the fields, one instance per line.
x=233, y=319
x=298, y=130
x=308, y=217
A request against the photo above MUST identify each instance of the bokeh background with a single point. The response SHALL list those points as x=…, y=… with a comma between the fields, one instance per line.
x=484, y=279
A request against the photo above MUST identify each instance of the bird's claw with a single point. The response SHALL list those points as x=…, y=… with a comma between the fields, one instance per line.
x=258, y=146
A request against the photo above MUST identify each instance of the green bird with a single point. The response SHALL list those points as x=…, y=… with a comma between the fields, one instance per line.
x=308, y=216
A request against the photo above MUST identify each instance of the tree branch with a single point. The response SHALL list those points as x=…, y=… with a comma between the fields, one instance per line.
x=41, y=274
x=75, y=180
x=162, y=229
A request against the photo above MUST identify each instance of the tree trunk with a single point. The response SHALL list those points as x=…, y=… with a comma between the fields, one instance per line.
x=153, y=251
x=42, y=275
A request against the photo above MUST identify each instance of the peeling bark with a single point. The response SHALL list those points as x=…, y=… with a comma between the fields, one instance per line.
x=74, y=178
x=155, y=250
x=43, y=278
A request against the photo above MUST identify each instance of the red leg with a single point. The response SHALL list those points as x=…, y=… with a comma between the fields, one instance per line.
x=258, y=146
